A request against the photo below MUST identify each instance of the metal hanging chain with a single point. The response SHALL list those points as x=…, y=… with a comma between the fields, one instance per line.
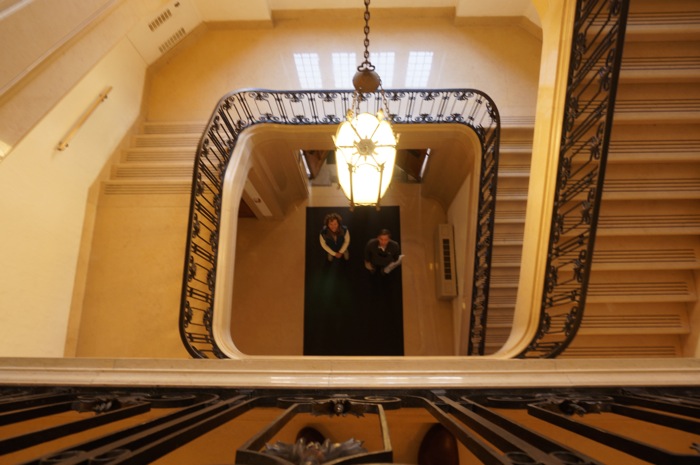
x=366, y=64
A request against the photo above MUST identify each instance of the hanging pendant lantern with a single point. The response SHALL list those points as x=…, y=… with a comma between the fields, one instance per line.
x=365, y=143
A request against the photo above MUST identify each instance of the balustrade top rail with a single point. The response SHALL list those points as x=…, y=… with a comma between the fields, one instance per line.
x=240, y=110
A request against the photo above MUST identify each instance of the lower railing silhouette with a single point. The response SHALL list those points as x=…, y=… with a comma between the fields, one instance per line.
x=240, y=110
x=596, y=54
x=146, y=424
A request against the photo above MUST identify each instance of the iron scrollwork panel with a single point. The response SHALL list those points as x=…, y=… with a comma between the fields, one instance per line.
x=243, y=109
x=599, y=29
x=494, y=426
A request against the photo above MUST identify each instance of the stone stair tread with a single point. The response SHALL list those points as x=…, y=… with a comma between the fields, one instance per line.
x=641, y=350
x=651, y=217
x=511, y=194
x=515, y=148
x=144, y=189
x=500, y=306
x=158, y=155
x=624, y=345
x=663, y=25
x=507, y=240
x=656, y=188
x=640, y=292
x=516, y=163
x=652, y=75
x=152, y=170
x=509, y=261
x=632, y=111
x=647, y=223
x=514, y=216
x=161, y=149
x=635, y=324
x=647, y=253
x=654, y=150
x=513, y=171
x=646, y=260
x=647, y=316
x=173, y=127
x=675, y=62
x=644, y=318
x=517, y=122
x=660, y=63
x=167, y=140
x=503, y=284
x=149, y=181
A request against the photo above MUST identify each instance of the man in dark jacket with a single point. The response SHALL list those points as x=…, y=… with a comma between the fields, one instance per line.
x=382, y=253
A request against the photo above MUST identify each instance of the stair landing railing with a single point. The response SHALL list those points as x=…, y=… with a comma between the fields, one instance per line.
x=594, y=69
x=240, y=110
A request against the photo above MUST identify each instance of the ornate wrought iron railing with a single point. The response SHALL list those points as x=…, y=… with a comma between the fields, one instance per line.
x=599, y=31
x=139, y=425
x=243, y=109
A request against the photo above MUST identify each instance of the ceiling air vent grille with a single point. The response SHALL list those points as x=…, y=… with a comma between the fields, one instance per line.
x=162, y=30
x=174, y=39
x=160, y=19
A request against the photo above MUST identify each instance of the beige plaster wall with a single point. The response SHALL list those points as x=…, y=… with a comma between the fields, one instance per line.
x=44, y=196
x=502, y=61
x=48, y=48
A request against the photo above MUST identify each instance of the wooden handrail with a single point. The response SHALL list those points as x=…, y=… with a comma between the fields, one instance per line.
x=63, y=144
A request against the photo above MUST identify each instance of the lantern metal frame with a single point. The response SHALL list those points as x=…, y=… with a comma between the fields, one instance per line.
x=365, y=143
